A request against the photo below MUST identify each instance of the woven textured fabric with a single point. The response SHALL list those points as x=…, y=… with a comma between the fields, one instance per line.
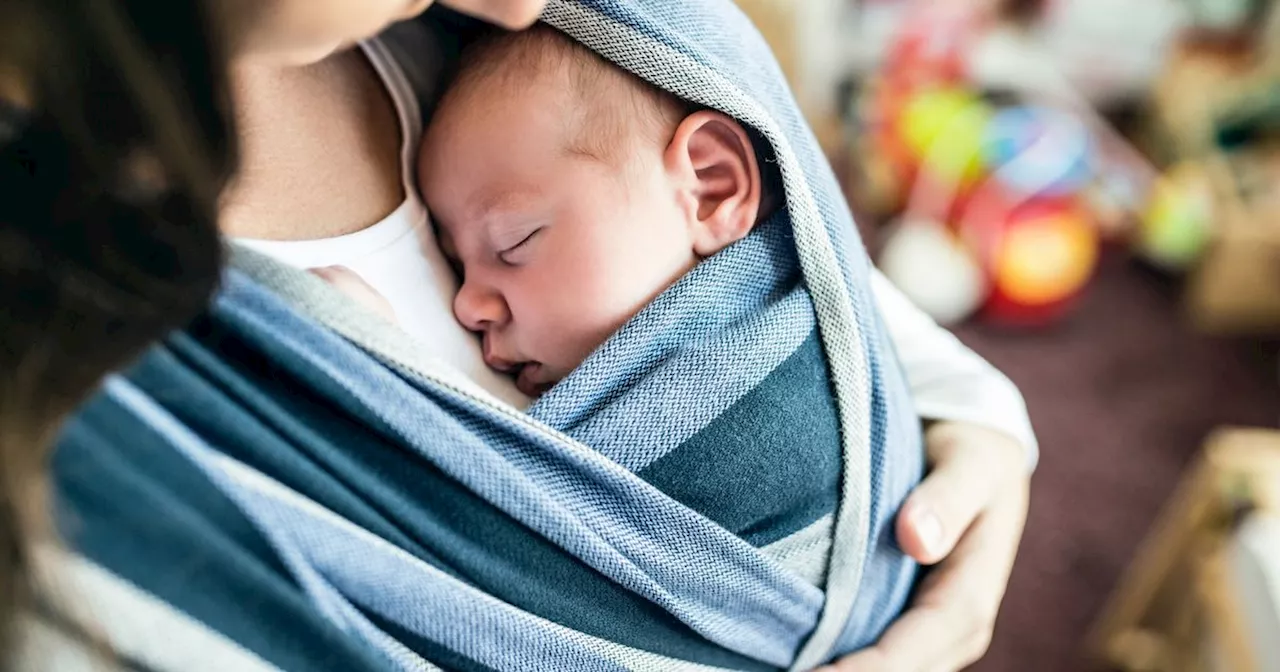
x=714, y=488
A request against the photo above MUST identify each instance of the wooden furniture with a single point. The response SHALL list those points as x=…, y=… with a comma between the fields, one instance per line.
x=1235, y=288
x=1179, y=606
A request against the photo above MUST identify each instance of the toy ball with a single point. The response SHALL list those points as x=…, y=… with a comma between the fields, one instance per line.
x=1176, y=224
x=943, y=130
x=933, y=269
x=1038, y=256
x=1038, y=151
x=1046, y=258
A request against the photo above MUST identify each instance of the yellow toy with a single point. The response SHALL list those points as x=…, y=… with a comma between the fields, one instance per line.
x=943, y=130
x=1176, y=224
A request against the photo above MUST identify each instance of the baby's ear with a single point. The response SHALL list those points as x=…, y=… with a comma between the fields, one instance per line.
x=712, y=157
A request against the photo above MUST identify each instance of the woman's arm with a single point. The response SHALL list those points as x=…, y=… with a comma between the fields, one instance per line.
x=948, y=380
x=968, y=513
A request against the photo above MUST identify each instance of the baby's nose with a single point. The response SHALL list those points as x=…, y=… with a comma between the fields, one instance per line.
x=480, y=308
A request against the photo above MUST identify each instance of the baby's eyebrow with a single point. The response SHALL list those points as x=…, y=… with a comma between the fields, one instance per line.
x=506, y=200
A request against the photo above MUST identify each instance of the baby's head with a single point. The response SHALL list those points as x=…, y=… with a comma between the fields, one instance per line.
x=570, y=193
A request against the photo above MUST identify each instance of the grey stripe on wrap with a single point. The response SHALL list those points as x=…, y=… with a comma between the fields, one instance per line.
x=805, y=552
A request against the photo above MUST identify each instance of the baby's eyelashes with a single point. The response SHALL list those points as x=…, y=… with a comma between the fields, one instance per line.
x=517, y=254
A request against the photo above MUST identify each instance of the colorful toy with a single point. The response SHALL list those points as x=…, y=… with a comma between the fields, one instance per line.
x=943, y=129
x=1037, y=254
x=996, y=218
x=1175, y=227
x=999, y=202
x=1038, y=151
x=932, y=268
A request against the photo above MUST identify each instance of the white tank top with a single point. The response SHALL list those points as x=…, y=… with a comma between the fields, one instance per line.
x=399, y=256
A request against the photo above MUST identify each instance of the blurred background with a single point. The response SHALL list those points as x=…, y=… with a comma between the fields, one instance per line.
x=1088, y=193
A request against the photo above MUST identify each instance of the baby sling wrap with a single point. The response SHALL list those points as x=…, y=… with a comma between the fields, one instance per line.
x=714, y=488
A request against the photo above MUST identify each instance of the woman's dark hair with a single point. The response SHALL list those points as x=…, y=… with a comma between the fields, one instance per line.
x=115, y=139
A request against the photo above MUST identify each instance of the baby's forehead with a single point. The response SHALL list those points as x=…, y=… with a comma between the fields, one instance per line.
x=490, y=207
x=511, y=63
x=601, y=102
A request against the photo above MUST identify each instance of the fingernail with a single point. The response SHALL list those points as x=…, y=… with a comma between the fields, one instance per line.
x=929, y=529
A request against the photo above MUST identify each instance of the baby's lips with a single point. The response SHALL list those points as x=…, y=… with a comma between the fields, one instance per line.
x=497, y=363
x=528, y=381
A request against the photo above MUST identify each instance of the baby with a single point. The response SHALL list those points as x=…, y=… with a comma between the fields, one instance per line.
x=569, y=193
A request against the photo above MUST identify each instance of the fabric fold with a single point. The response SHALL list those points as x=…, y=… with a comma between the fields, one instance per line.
x=714, y=488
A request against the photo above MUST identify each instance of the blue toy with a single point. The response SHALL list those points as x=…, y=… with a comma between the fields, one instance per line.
x=1039, y=151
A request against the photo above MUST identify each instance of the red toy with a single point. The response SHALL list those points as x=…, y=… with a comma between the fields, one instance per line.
x=1038, y=255
x=933, y=45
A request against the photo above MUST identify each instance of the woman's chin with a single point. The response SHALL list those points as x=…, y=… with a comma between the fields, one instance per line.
x=313, y=55
x=293, y=57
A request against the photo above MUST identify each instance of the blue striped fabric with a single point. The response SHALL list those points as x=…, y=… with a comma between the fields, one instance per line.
x=329, y=505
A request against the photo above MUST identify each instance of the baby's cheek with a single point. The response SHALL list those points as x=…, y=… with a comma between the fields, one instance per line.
x=590, y=303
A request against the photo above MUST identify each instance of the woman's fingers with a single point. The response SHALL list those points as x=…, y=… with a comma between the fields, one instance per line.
x=923, y=625
x=950, y=624
x=350, y=283
x=971, y=464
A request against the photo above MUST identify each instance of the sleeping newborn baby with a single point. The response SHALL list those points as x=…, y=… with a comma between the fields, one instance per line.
x=569, y=194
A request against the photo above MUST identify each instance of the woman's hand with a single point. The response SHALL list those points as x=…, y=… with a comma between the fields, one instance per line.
x=356, y=288
x=967, y=517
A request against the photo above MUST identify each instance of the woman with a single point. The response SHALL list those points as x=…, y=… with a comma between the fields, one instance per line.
x=108, y=222
x=323, y=135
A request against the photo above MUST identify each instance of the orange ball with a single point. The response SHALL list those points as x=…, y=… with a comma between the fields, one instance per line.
x=1046, y=259
x=1039, y=256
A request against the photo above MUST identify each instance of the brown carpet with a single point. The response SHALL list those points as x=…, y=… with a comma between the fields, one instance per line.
x=1121, y=397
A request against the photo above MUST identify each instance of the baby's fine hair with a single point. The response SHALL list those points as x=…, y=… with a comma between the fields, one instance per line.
x=612, y=104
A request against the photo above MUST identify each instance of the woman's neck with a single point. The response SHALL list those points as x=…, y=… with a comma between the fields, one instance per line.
x=320, y=150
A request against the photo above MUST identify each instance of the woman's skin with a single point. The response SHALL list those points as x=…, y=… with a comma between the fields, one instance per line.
x=321, y=158
x=977, y=496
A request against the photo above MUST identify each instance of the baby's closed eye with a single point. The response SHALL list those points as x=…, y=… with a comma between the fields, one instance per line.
x=517, y=252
